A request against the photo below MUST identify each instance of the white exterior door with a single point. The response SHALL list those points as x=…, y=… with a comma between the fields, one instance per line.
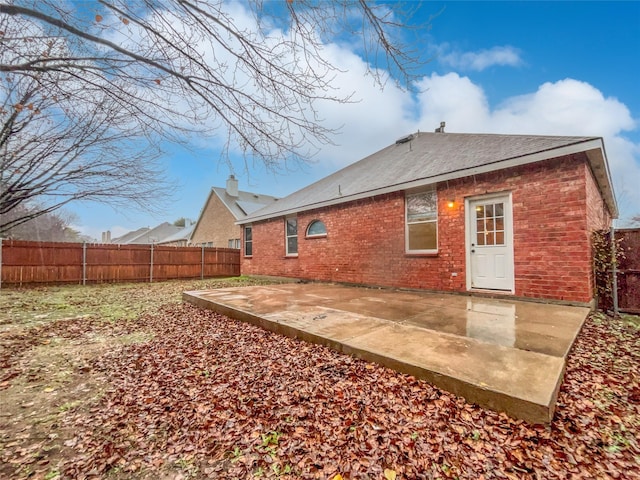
x=490, y=243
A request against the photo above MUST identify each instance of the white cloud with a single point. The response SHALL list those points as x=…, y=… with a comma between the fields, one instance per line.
x=372, y=118
x=481, y=60
x=565, y=107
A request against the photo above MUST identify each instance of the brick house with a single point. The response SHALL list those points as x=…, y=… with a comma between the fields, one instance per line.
x=216, y=226
x=506, y=214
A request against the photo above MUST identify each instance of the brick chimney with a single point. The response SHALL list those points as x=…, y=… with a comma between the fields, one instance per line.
x=232, y=186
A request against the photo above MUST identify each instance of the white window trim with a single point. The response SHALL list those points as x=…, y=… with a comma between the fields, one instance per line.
x=406, y=224
x=287, y=236
x=315, y=235
x=244, y=241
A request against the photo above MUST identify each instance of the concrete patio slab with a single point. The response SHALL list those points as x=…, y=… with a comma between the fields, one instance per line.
x=506, y=355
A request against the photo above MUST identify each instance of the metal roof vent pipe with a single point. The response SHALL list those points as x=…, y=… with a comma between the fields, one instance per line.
x=232, y=186
x=441, y=128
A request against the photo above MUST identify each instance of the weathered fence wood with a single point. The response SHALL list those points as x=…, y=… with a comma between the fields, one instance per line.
x=26, y=262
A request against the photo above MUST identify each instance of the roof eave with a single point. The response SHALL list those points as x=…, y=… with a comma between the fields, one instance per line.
x=600, y=168
x=594, y=144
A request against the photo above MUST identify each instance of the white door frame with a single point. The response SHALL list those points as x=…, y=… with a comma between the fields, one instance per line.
x=508, y=216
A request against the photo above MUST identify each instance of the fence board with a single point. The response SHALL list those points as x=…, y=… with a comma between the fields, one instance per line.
x=25, y=262
x=629, y=271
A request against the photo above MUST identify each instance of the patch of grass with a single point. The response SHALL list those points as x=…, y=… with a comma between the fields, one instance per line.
x=236, y=454
x=52, y=475
x=270, y=442
x=27, y=307
x=187, y=466
x=65, y=407
x=133, y=338
x=631, y=320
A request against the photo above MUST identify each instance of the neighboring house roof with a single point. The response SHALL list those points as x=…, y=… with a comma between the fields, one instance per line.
x=156, y=234
x=180, y=235
x=245, y=203
x=147, y=235
x=426, y=158
x=127, y=237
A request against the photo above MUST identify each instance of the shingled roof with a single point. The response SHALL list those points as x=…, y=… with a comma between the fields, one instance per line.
x=426, y=158
x=244, y=203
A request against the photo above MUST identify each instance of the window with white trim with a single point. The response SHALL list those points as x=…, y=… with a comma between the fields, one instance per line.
x=291, y=234
x=422, y=222
x=317, y=228
x=248, y=241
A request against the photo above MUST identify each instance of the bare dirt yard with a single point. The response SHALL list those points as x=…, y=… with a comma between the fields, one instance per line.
x=125, y=382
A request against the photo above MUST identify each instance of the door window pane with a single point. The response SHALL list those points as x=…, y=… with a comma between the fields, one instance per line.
x=488, y=210
x=490, y=224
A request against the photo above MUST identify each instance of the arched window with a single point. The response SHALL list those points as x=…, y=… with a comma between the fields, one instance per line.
x=316, y=229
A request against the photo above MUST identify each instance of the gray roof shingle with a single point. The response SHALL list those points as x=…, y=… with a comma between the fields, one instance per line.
x=431, y=157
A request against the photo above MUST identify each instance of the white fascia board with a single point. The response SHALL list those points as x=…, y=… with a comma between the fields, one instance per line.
x=600, y=169
x=593, y=144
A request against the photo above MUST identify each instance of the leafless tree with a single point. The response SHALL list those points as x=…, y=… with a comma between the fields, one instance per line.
x=158, y=69
x=55, y=150
x=48, y=227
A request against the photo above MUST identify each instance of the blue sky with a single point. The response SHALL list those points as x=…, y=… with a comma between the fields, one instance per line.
x=564, y=68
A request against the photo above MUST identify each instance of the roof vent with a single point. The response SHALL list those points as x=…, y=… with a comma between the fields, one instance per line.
x=406, y=139
x=441, y=128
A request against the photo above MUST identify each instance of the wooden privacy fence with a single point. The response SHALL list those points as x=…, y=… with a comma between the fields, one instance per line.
x=628, y=270
x=24, y=262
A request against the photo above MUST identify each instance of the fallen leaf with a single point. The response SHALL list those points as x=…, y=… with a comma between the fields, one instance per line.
x=389, y=474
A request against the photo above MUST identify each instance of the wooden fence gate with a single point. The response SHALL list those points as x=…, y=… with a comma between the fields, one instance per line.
x=629, y=270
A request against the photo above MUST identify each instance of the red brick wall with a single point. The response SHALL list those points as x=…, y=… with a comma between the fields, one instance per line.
x=365, y=239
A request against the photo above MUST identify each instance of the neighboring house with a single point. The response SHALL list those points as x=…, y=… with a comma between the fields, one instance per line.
x=126, y=238
x=146, y=235
x=216, y=226
x=506, y=214
x=180, y=238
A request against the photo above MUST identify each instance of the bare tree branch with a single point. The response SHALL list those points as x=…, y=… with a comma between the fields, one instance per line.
x=115, y=78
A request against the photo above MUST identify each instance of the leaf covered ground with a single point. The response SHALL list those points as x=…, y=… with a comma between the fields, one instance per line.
x=123, y=381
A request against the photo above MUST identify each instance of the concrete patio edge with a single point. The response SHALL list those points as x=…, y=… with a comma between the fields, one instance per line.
x=539, y=410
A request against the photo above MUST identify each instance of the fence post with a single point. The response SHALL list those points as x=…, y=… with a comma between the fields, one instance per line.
x=151, y=267
x=614, y=270
x=84, y=263
x=202, y=265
